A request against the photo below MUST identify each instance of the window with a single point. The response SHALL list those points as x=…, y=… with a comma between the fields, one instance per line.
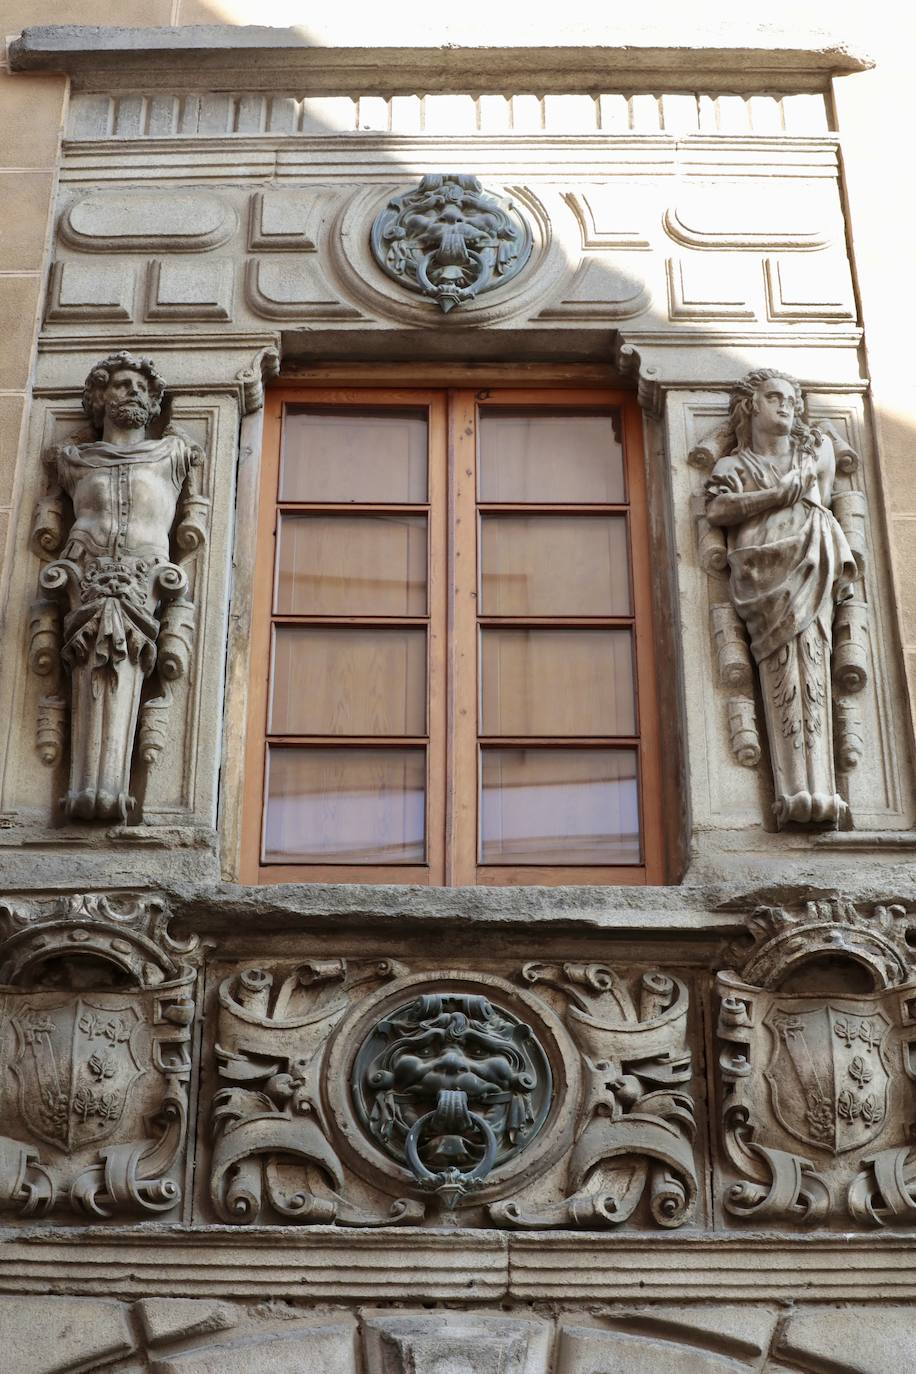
x=452, y=676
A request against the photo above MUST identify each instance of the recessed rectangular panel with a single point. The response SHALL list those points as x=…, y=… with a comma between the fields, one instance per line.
x=559, y=806
x=370, y=455
x=353, y=680
x=557, y=682
x=550, y=456
x=353, y=806
x=554, y=565
x=351, y=565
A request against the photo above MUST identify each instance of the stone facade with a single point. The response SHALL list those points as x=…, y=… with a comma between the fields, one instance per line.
x=436, y=1131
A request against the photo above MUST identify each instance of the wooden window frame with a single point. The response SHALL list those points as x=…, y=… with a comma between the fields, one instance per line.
x=453, y=636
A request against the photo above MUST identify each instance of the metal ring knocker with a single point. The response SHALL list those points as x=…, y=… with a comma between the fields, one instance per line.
x=451, y=1115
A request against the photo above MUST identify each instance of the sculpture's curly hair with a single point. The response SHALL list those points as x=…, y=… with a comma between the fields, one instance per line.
x=101, y=374
x=743, y=404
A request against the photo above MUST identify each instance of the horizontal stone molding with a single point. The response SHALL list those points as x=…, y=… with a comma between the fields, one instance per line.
x=144, y=114
x=560, y=159
x=391, y=1265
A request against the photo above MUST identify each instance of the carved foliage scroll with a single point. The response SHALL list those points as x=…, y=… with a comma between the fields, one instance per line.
x=97, y=1006
x=358, y=1093
x=635, y=1125
x=273, y=1149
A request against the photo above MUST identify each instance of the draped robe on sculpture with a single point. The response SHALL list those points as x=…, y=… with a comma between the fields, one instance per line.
x=788, y=568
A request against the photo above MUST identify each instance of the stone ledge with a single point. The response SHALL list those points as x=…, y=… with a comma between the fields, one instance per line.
x=745, y=55
x=480, y=1266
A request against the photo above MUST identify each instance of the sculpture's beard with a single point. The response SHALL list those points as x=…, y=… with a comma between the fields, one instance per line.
x=129, y=414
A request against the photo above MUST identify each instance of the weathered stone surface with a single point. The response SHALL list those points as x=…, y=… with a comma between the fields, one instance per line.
x=869, y=1340
x=166, y=1319
x=585, y=1350
x=325, y=1348
x=44, y=1334
x=68, y=47
x=139, y=221
x=95, y=1058
x=127, y=608
x=739, y=1331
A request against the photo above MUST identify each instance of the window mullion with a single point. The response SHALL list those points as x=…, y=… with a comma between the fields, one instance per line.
x=462, y=795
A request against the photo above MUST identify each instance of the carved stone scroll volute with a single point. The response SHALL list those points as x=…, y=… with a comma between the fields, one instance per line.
x=120, y=514
x=273, y=1151
x=635, y=1123
x=816, y=1033
x=95, y=1046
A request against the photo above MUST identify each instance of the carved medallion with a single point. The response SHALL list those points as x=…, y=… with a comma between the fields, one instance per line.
x=450, y=240
x=451, y=1085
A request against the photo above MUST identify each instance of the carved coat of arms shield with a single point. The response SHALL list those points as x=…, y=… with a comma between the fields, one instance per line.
x=827, y=1072
x=76, y=1062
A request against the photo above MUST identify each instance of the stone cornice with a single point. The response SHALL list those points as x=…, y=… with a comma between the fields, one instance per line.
x=740, y=58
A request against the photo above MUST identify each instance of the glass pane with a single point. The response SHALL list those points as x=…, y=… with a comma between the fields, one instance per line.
x=364, y=455
x=365, y=806
x=352, y=565
x=357, y=681
x=554, y=565
x=538, y=455
x=559, y=806
x=557, y=682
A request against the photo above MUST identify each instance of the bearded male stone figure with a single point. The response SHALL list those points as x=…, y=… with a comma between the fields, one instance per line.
x=789, y=566
x=114, y=572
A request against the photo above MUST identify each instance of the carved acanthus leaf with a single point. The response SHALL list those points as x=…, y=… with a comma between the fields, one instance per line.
x=636, y=1131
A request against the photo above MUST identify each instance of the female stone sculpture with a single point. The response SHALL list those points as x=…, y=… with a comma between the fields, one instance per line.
x=115, y=573
x=790, y=565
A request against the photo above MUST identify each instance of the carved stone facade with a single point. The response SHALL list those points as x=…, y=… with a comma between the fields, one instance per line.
x=450, y=240
x=345, y=1084
x=98, y=1005
x=126, y=606
x=793, y=580
x=816, y=1073
x=391, y=1129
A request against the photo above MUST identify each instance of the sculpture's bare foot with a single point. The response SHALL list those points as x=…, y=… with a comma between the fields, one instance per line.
x=113, y=806
x=806, y=808
x=80, y=806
